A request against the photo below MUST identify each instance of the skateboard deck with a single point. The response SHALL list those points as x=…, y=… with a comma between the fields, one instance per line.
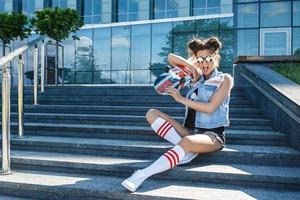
x=177, y=77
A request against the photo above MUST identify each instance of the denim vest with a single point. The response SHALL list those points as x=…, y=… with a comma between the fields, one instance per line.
x=206, y=88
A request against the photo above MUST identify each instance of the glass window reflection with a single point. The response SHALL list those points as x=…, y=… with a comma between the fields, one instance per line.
x=296, y=41
x=296, y=13
x=102, y=77
x=209, y=7
x=6, y=6
x=161, y=45
x=121, y=48
x=171, y=8
x=247, y=42
x=275, y=14
x=29, y=7
x=97, y=11
x=84, y=55
x=207, y=24
x=102, y=48
x=140, y=77
x=120, y=77
x=132, y=10
x=180, y=41
x=140, y=46
x=247, y=15
x=64, y=4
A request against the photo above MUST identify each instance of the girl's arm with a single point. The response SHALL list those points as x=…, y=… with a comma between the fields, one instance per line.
x=175, y=60
x=214, y=102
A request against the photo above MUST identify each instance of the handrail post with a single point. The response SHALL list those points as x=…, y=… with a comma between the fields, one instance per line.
x=21, y=96
x=35, y=74
x=43, y=67
x=5, y=121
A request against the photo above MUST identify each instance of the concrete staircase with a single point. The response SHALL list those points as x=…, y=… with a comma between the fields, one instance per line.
x=83, y=141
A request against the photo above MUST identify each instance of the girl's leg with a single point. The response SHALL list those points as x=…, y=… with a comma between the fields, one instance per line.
x=166, y=127
x=201, y=143
x=169, y=129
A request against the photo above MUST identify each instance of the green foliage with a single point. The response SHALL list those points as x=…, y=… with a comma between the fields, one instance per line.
x=288, y=70
x=57, y=23
x=12, y=27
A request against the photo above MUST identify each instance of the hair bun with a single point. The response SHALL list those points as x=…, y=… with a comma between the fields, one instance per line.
x=214, y=42
x=193, y=45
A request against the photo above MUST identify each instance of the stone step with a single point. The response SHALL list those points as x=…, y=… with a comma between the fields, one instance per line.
x=82, y=186
x=233, y=174
x=248, y=137
x=130, y=110
x=112, y=101
x=117, y=119
x=87, y=128
x=4, y=197
x=237, y=154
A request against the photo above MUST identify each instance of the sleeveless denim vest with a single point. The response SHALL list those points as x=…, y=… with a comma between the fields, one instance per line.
x=206, y=88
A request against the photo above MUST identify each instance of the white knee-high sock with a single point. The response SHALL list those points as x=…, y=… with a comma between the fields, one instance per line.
x=167, y=161
x=165, y=130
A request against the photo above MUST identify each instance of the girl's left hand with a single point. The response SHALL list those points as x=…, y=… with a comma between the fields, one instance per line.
x=174, y=93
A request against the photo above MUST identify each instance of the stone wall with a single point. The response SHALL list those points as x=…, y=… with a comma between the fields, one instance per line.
x=276, y=96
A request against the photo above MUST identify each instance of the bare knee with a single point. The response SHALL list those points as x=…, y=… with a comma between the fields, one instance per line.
x=185, y=143
x=152, y=115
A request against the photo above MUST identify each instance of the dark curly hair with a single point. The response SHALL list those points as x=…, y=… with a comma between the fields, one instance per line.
x=212, y=44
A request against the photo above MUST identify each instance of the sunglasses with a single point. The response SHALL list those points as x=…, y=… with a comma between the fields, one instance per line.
x=208, y=59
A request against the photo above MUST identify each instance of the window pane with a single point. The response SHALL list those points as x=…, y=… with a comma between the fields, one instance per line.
x=184, y=26
x=226, y=37
x=106, y=11
x=88, y=7
x=296, y=41
x=275, y=44
x=296, y=13
x=84, y=55
x=102, y=77
x=6, y=5
x=161, y=44
x=120, y=77
x=247, y=42
x=69, y=52
x=171, y=8
x=226, y=23
x=180, y=43
x=140, y=76
x=247, y=15
x=275, y=14
x=207, y=24
x=226, y=6
x=140, y=47
x=132, y=10
x=83, y=77
x=121, y=47
x=199, y=7
x=102, y=48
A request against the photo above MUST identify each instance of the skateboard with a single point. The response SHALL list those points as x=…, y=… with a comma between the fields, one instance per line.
x=177, y=77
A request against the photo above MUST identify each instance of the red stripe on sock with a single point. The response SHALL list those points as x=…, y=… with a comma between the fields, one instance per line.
x=173, y=158
x=163, y=130
x=170, y=160
x=161, y=127
x=167, y=130
x=176, y=155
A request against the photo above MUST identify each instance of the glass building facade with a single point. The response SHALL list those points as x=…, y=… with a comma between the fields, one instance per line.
x=127, y=41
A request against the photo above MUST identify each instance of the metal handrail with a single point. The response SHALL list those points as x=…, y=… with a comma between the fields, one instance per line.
x=6, y=85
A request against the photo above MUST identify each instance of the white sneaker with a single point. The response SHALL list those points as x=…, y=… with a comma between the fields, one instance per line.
x=188, y=157
x=134, y=181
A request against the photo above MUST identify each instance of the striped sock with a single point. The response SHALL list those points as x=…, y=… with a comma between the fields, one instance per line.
x=167, y=161
x=165, y=130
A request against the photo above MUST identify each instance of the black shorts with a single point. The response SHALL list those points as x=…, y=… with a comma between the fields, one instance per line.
x=218, y=132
